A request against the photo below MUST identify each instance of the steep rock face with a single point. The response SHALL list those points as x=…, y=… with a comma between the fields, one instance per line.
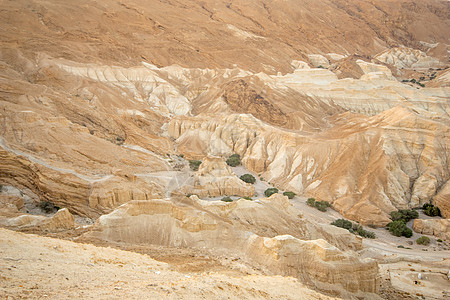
x=292, y=257
x=184, y=224
x=87, y=196
x=366, y=167
x=215, y=178
x=440, y=228
x=442, y=200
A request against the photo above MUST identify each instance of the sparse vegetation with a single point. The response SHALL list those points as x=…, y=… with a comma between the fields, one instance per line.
x=431, y=210
x=311, y=201
x=234, y=160
x=48, y=207
x=226, y=199
x=439, y=240
x=194, y=164
x=248, y=178
x=354, y=228
x=404, y=215
x=270, y=191
x=343, y=223
x=398, y=228
x=423, y=240
x=320, y=205
x=290, y=195
x=247, y=198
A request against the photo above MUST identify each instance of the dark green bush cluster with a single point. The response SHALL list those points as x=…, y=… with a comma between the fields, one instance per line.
x=290, y=195
x=227, y=199
x=431, y=210
x=404, y=215
x=354, y=228
x=423, y=240
x=248, y=178
x=194, y=164
x=48, y=207
x=247, y=198
x=398, y=228
x=270, y=191
x=320, y=205
x=234, y=160
x=343, y=223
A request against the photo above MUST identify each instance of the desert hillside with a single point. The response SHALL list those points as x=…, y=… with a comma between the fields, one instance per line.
x=236, y=129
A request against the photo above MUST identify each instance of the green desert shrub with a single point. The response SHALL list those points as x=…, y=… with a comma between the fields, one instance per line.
x=423, y=240
x=354, y=228
x=343, y=223
x=270, y=191
x=234, y=160
x=320, y=205
x=248, y=178
x=227, y=199
x=404, y=215
x=194, y=164
x=431, y=210
x=398, y=228
x=290, y=195
x=247, y=198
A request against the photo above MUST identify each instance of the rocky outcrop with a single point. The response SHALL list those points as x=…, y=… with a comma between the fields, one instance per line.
x=442, y=200
x=403, y=58
x=366, y=170
x=440, y=228
x=229, y=228
x=214, y=178
x=61, y=220
x=81, y=194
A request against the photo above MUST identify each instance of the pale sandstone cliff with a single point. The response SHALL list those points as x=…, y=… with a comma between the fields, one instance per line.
x=229, y=228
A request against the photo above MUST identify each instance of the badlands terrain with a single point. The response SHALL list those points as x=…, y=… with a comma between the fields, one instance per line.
x=117, y=119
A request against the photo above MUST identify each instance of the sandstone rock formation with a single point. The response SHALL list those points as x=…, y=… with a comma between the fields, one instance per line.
x=62, y=269
x=440, y=228
x=242, y=228
x=327, y=165
x=62, y=220
x=215, y=178
x=442, y=200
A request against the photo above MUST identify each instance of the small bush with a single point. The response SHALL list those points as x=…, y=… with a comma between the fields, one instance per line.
x=47, y=206
x=247, y=198
x=439, y=240
x=290, y=195
x=194, y=164
x=248, y=178
x=226, y=199
x=398, y=228
x=423, y=240
x=354, y=228
x=343, y=223
x=326, y=203
x=404, y=215
x=320, y=206
x=311, y=201
x=234, y=160
x=270, y=191
x=431, y=210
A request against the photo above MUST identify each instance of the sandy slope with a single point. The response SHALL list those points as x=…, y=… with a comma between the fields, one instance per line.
x=41, y=267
